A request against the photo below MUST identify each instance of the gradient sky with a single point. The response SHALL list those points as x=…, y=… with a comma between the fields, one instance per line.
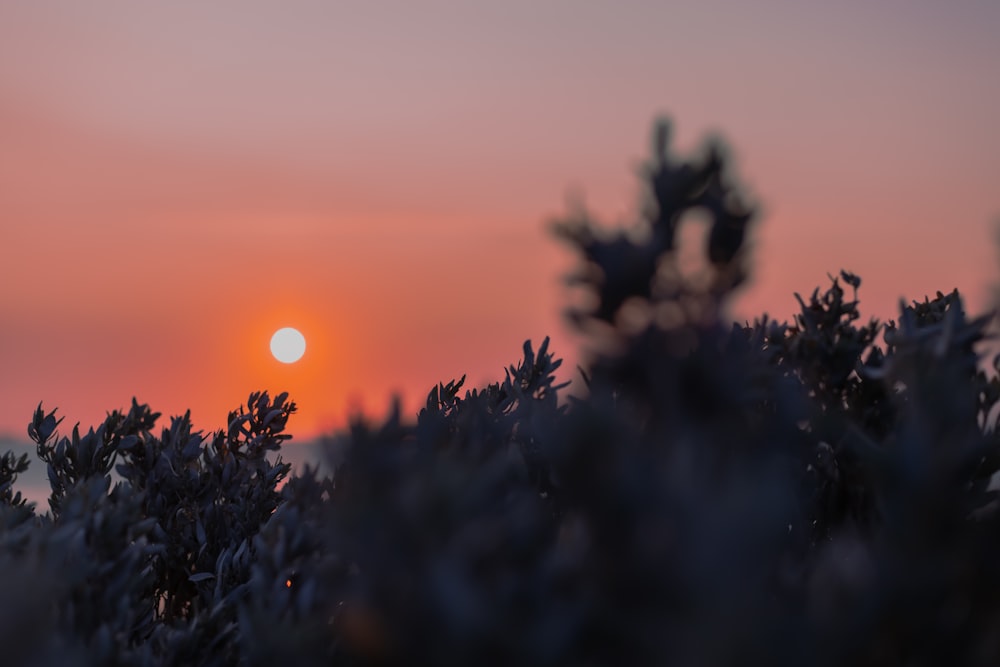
x=178, y=180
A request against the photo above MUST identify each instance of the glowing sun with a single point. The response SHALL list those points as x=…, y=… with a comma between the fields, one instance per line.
x=288, y=345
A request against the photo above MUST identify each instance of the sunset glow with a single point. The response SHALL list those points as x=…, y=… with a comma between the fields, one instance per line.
x=180, y=180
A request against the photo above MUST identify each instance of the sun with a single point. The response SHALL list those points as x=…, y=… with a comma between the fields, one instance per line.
x=288, y=345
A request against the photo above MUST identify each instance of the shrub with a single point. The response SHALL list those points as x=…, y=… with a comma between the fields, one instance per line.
x=806, y=492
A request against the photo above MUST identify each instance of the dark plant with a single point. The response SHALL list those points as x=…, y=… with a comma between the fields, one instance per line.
x=815, y=491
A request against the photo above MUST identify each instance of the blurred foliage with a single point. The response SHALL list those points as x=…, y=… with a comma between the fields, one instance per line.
x=816, y=491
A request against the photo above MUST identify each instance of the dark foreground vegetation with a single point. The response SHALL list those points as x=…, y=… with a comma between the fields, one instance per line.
x=811, y=492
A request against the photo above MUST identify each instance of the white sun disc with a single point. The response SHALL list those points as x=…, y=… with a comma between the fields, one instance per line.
x=288, y=345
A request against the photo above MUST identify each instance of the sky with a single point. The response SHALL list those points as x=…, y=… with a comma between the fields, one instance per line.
x=179, y=180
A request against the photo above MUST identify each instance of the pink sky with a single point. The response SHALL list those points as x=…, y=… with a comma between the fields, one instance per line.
x=177, y=181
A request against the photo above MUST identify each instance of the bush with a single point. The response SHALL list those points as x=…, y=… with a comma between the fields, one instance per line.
x=777, y=493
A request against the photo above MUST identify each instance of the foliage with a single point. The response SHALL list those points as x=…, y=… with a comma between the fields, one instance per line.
x=806, y=492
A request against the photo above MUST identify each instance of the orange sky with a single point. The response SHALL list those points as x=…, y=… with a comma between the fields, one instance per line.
x=179, y=181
